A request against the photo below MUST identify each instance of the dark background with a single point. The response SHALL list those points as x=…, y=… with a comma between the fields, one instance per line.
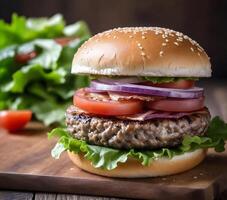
x=205, y=20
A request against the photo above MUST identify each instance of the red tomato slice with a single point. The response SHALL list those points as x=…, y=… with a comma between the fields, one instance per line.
x=24, y=58
x=104, y=105
x=63, y=40
x=177, y=105
x=14, y=120
x=180, y=84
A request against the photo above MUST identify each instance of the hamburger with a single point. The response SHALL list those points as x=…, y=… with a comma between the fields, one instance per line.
x=142, y=114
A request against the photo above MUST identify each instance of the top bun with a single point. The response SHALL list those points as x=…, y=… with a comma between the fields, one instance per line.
x=142, y=51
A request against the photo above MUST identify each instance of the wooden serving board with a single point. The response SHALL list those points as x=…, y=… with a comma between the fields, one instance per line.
x=26, y=164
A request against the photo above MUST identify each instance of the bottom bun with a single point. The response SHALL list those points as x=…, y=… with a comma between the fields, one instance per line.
x=134, y=169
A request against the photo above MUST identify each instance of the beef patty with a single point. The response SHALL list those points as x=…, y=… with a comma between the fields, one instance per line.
x=126, y=134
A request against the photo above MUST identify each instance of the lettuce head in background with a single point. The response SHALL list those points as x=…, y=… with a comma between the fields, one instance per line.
x=35, y=61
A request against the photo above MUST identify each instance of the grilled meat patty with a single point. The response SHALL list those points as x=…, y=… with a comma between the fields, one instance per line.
x=126, y=134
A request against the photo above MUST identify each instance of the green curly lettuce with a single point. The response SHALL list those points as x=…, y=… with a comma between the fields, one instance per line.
x=109, y=158
x=148, y=78
x=167, y=79
x=22, y=30
x=44, y=83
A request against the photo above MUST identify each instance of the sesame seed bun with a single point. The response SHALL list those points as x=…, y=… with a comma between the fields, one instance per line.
x=133, y=169
x=142, y=51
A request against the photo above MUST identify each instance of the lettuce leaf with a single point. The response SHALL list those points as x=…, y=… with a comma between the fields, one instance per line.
x=33, y=73
x=148, y=78
x=23, y=30
x=79, y=29
x=49, y=55
x=46, y=27
x=50, y=112
x=44, y=84
x=167, y=79
x=109, y=158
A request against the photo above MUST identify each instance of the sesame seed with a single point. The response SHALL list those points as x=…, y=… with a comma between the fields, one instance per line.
x=192, y=42
x=199, y=49
x=140, y=47
x=143, y=54
x=179, y=39
x=138, y=44
x=195, y=177
x=164, y=32
x=161, y=53
x=178, y=34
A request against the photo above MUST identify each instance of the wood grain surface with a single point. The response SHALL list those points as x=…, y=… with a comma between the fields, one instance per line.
x=11, y=195
x=26, y=165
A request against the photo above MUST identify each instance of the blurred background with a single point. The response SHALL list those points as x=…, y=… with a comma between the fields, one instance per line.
x=205, y=20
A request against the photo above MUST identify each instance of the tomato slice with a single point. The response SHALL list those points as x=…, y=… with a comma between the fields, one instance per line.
x=14, y=120
x=25, y=57
x=103, y=105
x=177, y=105
x=180, y=84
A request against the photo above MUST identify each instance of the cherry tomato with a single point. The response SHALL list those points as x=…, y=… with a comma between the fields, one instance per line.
x=180, y=84
x=103, y=105
x=14, y=120
x=24, y=58
x=177, y=105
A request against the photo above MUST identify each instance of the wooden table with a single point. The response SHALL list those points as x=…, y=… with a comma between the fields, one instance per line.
x=216, y=100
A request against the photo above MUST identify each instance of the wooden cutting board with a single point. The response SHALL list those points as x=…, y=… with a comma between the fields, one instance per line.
x=26, y=164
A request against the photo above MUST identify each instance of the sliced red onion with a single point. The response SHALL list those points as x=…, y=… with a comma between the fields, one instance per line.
x=149, y=90
x=93, y=90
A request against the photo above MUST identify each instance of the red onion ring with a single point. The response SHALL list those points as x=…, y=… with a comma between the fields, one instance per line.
x=93, y=90
x=149, y=90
